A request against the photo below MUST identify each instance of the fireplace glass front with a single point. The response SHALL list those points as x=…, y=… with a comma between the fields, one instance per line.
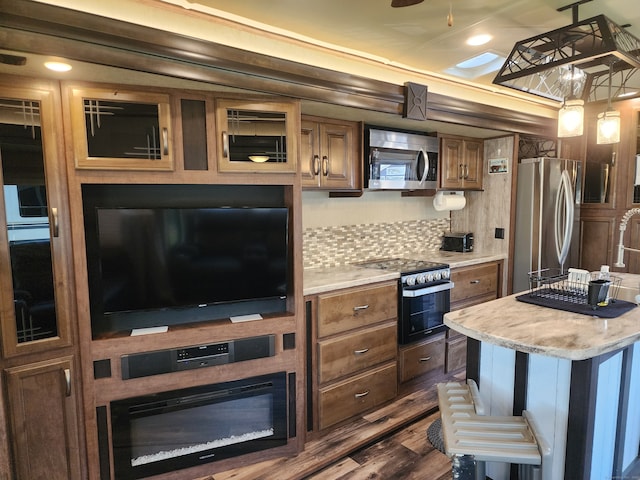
x=178, y=429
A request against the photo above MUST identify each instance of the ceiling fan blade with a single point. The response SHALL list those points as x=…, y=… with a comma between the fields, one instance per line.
x=405, y=3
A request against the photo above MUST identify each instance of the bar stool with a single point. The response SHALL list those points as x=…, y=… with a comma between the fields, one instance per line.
x=472, y=438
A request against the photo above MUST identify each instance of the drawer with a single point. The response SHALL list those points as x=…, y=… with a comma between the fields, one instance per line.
x=456, y=357
x=477, y=281
x=356, y=395
x=341, y=312
x=349, y=353
x=421, y=358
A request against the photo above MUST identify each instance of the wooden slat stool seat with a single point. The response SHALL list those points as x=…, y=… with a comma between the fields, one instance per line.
x=472, y=438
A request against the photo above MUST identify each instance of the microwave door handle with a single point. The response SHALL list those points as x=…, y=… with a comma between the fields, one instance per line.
x=426, y=164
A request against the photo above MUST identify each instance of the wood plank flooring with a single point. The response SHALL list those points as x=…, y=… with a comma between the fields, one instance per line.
x=388, y=443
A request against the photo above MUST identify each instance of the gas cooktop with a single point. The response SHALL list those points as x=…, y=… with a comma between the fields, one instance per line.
x=403, y=265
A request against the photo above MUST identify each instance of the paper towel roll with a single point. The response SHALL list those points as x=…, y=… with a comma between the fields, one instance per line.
x=449, y=201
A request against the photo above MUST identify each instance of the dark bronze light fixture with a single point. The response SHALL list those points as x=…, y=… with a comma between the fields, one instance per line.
x=404, y=3
x=540, y=65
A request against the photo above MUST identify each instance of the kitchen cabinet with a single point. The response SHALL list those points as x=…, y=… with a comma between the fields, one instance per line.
x=423, y=357
x=37, y=292
x=330, y=154
x=43, y=413
x=473, y=284
x=461, y=163
x=353, y=352
x=257, y=136
x=116, y=129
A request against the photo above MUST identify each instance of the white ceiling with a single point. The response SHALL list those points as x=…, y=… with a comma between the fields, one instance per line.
x=417, y=36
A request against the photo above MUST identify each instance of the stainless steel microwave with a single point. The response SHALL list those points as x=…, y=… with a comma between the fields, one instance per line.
x=399, y=160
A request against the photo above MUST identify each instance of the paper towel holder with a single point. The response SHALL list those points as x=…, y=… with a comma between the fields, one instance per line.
x=440, y=202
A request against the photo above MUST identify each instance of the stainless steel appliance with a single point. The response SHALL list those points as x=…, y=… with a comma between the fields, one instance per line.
x=397, y=160
x=457, y=242
x=423, y=296
x=547, y=217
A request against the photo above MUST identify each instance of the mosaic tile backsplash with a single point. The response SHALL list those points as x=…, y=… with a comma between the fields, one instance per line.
x=335, y=246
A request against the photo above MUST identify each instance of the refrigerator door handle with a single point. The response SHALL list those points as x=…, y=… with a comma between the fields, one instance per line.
x=563, y=232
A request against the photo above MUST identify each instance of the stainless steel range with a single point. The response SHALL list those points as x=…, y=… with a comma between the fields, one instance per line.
x=423, y=296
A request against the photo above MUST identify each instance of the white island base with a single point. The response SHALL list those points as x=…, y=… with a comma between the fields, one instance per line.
x=578, y=376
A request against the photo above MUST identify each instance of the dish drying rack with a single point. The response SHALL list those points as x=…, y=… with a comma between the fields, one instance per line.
x=569, y=286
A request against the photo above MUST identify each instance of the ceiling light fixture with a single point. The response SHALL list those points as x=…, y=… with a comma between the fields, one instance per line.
x=536, y=65
x=57, y=66
x=571, y=115
x=478, y=40
x=608, y=127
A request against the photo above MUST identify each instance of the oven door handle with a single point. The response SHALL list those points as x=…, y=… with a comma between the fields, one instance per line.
x=427, y=290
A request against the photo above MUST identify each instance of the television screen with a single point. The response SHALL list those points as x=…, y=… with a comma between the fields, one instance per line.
x=163, y=266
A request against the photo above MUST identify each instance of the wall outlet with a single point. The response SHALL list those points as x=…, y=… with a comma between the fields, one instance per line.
x=499, y=232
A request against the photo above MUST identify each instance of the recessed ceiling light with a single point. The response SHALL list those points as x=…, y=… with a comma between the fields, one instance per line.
x=479, y=39
x=58, y=66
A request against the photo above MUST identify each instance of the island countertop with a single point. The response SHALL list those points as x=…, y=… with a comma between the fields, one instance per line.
x=528, y=328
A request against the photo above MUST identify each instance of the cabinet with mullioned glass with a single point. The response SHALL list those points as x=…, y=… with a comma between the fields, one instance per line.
x=257, y=136
x=117, y=129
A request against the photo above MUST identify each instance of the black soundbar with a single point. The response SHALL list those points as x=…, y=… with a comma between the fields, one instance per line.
x=187, y=358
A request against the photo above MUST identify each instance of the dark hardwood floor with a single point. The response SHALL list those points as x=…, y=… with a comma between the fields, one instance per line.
x=388, y=443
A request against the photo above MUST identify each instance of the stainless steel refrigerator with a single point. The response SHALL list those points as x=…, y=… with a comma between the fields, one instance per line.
x=547, y=229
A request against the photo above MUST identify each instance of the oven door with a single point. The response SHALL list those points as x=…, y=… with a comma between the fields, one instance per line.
x=422, y=310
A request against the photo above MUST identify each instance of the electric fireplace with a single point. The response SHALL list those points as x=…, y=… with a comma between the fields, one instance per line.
x=183, y=428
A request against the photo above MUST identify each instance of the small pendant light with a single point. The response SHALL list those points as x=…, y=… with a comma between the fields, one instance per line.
x=571, y=115
x=608, y=129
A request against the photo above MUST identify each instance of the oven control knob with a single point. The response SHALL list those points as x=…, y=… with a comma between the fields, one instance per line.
x=445, y=274
x=411, y=280
x=430, y=277
x=421, y=278
x=437, y=275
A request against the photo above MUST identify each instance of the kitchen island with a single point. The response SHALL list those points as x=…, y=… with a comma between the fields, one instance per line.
x=578, y=375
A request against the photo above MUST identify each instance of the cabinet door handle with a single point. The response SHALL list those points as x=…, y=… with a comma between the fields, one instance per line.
x=474, y=281
x=67, y=382
x=360, y=352
x=466, y=171
x=360, y=395
x=460, y=171
x=424, y=359
x=315, y=167
x=325, y=165
x=165, y=141
x=55, y=225
x=225, y=145
x=360, y=307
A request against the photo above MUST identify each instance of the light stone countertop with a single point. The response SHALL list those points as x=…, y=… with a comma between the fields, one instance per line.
x=512, y=324
x=321, y=280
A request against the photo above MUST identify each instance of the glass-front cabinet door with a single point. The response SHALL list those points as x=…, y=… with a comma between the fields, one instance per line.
x=257, y=136
x=120, y=130
x=34, y=238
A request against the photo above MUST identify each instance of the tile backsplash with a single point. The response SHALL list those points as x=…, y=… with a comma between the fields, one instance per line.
x=334, y=246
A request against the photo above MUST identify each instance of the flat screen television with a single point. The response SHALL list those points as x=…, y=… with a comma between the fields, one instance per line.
x=157, y=266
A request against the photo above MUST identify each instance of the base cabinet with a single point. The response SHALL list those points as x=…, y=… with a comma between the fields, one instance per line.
x=353, y=352
x=423, y=357
x=43, y=415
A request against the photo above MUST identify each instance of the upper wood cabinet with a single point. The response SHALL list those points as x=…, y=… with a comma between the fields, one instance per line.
x=36, y=283
x=257, y=136
x=117, y=129
x=461, y=161
x=330, y=154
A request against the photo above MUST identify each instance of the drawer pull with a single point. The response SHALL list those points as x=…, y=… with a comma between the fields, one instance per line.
x=360, y=352
x=424, y=359
x=360, y=395
x=474, y=281
x=360, y=307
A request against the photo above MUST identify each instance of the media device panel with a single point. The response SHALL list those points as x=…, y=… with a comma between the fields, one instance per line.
x=157, y=257
x=188, y=358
